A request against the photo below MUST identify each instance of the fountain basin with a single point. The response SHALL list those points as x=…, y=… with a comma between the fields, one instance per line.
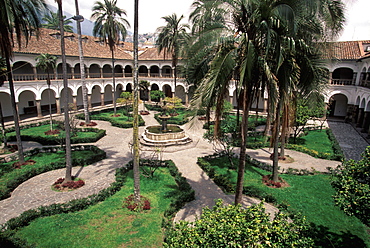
x=153, y=136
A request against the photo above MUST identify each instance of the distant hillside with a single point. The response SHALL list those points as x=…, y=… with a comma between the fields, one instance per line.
x=86, y=26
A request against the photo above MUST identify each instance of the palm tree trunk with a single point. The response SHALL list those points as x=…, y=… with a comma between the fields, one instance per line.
x=175, y=79
x=275, y=163
x=67, y=128
x=284, y=129
x=136, y=108
x=82, y=68
x=15, y=111
x=48, y=82
x=243, y=146
x=114, y=85
x=3, y=126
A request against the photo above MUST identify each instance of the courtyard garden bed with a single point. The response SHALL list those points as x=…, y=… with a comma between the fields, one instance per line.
x=310, y=195
x=45, y=159
x=180, y=116
x=122, y=118
x=38, y=132
x=84, y=223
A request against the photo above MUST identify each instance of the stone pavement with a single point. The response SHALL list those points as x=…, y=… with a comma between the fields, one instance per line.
x=100, y=175
x=349, y=139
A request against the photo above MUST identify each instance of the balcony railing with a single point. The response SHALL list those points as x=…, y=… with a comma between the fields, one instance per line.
x=32, y=77
x=23, y=77
x=342, y=82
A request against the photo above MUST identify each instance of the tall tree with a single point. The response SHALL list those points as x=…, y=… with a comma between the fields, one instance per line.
x=2, y=80
x=110, y=27
x=47, y=63
x=170, y=39
x=67, y=127
x=296, y=55
x=52, y=22
x=19, y=18
x=79, y=19
x=136, y=106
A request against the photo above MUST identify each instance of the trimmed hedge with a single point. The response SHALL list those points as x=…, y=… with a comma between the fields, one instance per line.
x=55, y=140
x=8, y=230
x=6, y=187
x=113, y=121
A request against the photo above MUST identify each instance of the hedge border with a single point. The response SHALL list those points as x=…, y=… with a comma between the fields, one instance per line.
x=54, y=140
x=9, y=229
x=112, y=121
x=27, y=174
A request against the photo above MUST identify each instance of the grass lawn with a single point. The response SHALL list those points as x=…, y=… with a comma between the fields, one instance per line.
x=107, y=224
x=316, y=140
x=122, y=120
x=309, y=195
x=38, y=134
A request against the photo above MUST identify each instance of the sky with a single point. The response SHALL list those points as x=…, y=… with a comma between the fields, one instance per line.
x=151, y=12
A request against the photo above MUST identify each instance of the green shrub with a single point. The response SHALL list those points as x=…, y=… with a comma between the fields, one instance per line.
x=352, y=183
x=232, y=226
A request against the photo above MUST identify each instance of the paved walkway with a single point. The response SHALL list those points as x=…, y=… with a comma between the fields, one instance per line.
x=31, y=194
x=349, y=139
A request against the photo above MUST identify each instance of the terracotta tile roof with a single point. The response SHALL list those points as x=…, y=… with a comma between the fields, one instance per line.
x=346, y=50
x=152, y=54
x=48, y=42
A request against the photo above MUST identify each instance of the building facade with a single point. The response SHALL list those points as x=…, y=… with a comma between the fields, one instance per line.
x=347, y=94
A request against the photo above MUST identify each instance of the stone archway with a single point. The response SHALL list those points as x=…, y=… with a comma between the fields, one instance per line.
x=48, y=96
x=337, y=106
x=23, y=71
x=167, y=90
x=27, y=103
x=6, y=104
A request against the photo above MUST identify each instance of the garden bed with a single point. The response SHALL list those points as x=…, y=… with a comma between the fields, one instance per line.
x=329, y=223
x=122, y=120
x=45, y=159
x=76, y=222
x=38, y=133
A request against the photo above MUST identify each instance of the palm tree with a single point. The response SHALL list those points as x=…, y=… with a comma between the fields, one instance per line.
x=47, y=62
x=170, y=39
x=136, y=107
x=67, y=127
x=110, y=27
x=52, y=22
x=299, y=70
x=17, y=17
x=82, y=66
x=2, y=80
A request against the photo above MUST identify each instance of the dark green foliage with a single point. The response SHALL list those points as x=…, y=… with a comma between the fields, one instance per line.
x=153, y=107
x=232, y=226
x=55, y=139
x=182, y=194
x=115, y=121
x=308, y=194
x=352, y=183
x=180, y=119
x=8, y=184
x=156, y=95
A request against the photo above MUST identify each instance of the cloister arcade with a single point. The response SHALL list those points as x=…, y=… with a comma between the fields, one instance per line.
x=347, y=95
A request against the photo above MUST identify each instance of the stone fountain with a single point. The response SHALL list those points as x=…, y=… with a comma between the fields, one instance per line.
x=164, y=135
